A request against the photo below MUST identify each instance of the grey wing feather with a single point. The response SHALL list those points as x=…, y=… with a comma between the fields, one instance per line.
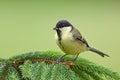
x=78, y=36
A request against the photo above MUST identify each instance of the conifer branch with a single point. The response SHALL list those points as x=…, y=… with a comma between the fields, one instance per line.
x=42, y=66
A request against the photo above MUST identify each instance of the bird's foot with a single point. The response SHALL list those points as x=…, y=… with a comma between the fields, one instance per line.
x=74, y=59
x=60, y=58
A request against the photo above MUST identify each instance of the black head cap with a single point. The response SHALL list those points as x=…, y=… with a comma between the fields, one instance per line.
x=63, y=23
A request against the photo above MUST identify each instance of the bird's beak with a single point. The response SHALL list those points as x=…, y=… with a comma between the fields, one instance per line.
x=55, y=28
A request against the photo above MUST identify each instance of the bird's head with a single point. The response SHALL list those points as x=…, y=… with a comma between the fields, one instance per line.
x=63, y=25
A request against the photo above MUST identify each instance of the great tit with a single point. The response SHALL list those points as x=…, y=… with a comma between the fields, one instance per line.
x=70, y=40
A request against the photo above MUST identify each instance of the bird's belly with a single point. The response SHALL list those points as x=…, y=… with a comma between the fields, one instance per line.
x=72, y=46
x=69, y=45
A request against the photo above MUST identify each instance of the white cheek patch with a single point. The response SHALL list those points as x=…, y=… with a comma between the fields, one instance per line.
x=66, y=29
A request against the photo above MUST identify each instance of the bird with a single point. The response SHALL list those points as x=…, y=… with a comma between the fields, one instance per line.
x=71, y=42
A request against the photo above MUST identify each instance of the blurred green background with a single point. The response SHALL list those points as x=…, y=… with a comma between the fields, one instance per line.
x=27, y=26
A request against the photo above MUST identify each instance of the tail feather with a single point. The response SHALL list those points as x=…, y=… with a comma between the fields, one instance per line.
x=97, y=51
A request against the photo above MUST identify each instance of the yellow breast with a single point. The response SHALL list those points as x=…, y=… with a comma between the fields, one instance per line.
x=70, y=45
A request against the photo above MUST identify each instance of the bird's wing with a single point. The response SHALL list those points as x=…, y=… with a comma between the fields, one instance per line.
x=78, y=36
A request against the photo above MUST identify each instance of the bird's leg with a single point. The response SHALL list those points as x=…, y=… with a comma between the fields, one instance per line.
x=60, y=58
x=74, y=59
